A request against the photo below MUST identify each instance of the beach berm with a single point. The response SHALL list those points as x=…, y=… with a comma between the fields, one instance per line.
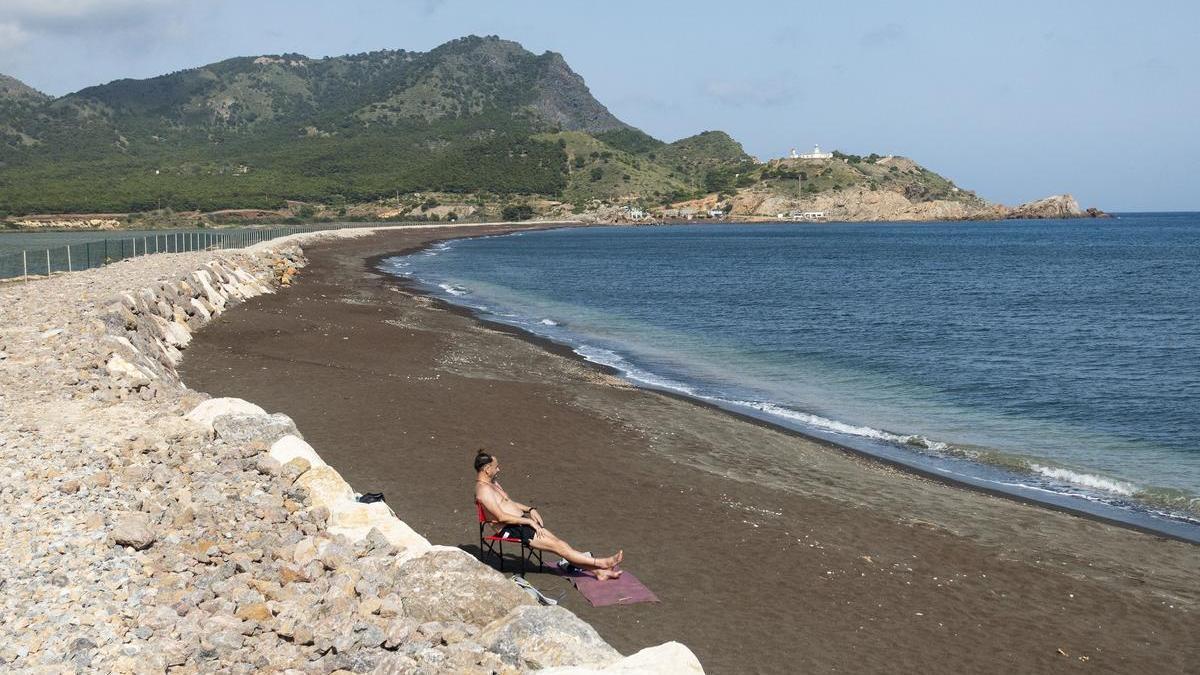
x=149, y=527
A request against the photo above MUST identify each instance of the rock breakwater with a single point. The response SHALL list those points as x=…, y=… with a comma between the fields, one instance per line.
x=147, y=527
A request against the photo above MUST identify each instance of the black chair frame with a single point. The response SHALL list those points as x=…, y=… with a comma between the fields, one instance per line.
x=494, y=544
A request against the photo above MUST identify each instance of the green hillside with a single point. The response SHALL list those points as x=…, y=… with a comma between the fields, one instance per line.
x=252, y=132
x=873, y=172
x=600, y=171
x=475, y=116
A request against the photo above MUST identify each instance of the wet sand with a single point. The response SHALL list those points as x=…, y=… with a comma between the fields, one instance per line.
x=771, y=552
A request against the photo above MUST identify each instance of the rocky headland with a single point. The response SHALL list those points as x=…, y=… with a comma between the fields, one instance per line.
x=148, y=527
x=862, y=204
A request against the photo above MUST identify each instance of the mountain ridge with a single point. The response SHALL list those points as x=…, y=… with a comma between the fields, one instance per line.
x=12, y=88
x=477, y=117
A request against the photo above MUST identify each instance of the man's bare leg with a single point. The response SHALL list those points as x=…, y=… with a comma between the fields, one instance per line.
x=601, y=567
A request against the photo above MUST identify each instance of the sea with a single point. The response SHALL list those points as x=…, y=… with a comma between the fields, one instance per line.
x=1055, y=360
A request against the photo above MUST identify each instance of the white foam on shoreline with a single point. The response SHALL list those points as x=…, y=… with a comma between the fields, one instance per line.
x=457, y=291
x=1087, y=480
x=610, y=358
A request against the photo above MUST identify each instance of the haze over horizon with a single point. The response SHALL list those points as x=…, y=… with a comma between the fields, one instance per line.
x=1015, y=102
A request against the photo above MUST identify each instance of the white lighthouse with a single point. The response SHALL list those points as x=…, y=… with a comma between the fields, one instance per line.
x=815, y=154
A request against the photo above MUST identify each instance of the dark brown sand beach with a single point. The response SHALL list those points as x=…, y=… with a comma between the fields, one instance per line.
x=770, y=552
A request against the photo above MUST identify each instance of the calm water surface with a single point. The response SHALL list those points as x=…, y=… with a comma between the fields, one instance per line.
x=1055, y=359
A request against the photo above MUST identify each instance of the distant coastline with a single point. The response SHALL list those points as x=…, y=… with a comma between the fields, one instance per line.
x=477, y=129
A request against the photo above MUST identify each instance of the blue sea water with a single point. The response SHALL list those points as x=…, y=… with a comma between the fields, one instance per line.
x=1058, y=360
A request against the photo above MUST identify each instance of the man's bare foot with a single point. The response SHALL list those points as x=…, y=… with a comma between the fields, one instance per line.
x=605, y=575
x=609, y=562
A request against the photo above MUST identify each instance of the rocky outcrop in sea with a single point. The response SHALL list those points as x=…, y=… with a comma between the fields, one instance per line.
x=1054, y=206
x=149, y=528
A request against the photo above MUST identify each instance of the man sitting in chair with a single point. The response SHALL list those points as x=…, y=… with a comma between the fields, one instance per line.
x=517, y=521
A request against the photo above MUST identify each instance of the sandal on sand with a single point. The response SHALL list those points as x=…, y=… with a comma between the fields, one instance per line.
x=535, y=593
x=565, y=567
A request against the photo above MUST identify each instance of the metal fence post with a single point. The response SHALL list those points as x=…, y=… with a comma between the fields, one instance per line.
x=69, y=258
x=47, y=263
x=25, y=265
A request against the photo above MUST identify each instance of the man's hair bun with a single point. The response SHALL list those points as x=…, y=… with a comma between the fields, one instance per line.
x=482, y=459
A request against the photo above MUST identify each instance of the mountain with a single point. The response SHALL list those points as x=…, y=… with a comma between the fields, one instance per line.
x=255, y=131
x=18, y=102
x=13, y=89
x=478, y=121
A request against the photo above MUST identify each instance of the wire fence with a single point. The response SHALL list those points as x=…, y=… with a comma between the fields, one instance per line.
x=72, y=257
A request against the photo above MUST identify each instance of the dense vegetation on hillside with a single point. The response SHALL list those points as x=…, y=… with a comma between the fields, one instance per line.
x=475, y=115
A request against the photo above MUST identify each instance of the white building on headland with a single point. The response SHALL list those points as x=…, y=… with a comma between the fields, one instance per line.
x=802, y=215
x=815, y=154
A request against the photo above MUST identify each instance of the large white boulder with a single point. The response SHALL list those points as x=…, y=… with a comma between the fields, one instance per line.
x=201, y=309
x=173, y=333
x=122, y=369
x=206, y=412
x=241, y=428
x=326, y=487
x=670, y=658
x=451, y=585
x=535, y=637
x=290, y=447
x=214, y=298
x=355, y=521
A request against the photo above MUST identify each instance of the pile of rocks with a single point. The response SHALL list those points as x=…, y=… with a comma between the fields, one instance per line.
x=60, y=223
x=147, y=527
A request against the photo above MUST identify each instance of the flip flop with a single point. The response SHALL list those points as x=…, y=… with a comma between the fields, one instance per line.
x=535, y=593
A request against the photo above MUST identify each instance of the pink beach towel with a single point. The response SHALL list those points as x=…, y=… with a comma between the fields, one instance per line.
x=626, y=590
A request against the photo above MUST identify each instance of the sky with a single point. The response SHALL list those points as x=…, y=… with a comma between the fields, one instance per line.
x=1015, y=100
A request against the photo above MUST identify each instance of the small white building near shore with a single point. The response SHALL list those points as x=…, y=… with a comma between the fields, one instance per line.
x=803, y=216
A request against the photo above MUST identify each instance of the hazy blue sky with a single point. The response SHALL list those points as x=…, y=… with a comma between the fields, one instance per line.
x=1016, y=100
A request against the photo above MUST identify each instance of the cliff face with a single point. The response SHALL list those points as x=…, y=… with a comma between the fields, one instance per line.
x=563, y=99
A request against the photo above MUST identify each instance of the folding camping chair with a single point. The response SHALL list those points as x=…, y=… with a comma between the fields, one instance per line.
x=494, y=543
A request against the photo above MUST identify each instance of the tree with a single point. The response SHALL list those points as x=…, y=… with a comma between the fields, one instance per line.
x=597, y=174
x=515, y=212
x=718, y=180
